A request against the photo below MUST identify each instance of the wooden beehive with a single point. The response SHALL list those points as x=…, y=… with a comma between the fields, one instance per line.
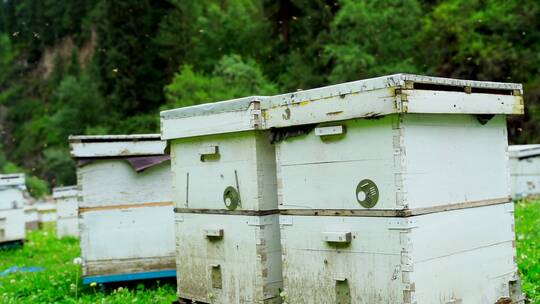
x=525, y=171
x=67, y=223
x=396, y=190
x=12, y=220
x=46, y=214
x=224, y=186
x=126, y=217
x=31, y=217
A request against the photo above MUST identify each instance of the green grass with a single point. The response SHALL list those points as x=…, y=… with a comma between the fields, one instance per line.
x=528, y=247
x=60, y=281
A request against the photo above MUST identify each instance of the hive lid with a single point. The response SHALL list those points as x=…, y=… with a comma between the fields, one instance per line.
x=524, y=151
x=62, y=192
x=399, y=93
x=233, y=115
x=116, y=145
x=12, y=180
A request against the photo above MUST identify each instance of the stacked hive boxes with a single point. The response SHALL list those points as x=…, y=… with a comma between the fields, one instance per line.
x=391, y=190
x=228, y=248
x=125, y=212
x=12, y=220
x=525, y=171
x=67, y=223
x=396, y=190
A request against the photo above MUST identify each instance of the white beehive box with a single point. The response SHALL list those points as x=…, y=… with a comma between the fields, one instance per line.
x=66, y=199
x=12, y=220
x=47, y=214
x=126, y=217
x=405, y=148
x=31, y=217
x=222, y=257
x=224, y=186
x=525, y=170
x=459, y=256
x=400, y=132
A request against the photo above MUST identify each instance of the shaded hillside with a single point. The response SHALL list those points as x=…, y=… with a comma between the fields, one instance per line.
x=94, y=67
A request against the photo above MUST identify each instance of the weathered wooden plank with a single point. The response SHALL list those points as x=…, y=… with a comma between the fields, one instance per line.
x=299, y=111
x=120, y=234
x=227, y=212
x=426, y=101
x=123, y=184
x=116, y=145
x=125, y=206
x=214, y=118
x=127, y=266
x=391, y=213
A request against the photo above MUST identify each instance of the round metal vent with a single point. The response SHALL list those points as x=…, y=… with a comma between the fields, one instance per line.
x=367, y=193
x=231, y=198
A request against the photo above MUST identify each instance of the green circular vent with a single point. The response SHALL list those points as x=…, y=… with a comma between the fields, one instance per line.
x=231, y=198
x=367, y=193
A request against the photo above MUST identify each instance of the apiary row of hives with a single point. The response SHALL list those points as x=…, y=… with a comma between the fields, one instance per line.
x=19, y=212
x=125, y=211
x=12, y=208
x=387, y=190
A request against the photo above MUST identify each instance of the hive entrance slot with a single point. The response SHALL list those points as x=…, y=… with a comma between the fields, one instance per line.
x=343, y=292
x=216, y=276
x=465, y=89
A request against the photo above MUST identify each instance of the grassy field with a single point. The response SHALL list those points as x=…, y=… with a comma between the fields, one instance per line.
x=528, y=247
x=59, y=281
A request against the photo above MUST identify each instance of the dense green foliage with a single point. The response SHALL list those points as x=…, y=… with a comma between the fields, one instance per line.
x=59, y=281
x=528, y=247
x=109, y=66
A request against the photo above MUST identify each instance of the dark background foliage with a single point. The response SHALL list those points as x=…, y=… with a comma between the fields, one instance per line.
x=95, y=67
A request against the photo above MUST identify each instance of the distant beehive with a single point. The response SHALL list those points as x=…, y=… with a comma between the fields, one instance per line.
x=67, y=223
x=525, y=171
x=31, y=217
x=12, y=220
x=126, y=217
x=224, y=182
x=396, y=190
x=46, y=213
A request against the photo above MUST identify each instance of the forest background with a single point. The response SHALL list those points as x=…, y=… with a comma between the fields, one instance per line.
x=109, y=67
